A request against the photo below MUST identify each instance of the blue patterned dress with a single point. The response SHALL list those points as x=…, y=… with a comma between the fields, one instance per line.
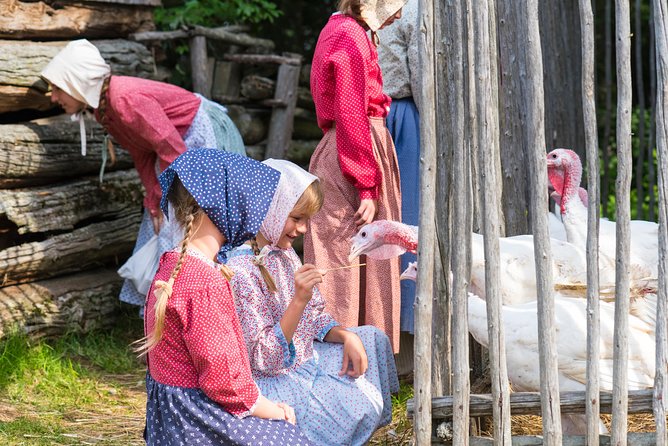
x=330, y=409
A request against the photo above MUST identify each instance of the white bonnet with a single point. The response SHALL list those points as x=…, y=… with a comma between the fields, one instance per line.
x=376, y=12
x=79, y=70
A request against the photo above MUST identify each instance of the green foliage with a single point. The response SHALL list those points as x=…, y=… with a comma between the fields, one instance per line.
x=214, y=13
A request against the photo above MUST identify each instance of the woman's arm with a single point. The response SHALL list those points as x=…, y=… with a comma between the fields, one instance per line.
x=306, y=278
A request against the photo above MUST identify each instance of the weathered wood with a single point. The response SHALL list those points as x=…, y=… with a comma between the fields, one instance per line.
x=592, y=410
x=620, y=370
x=264, y=58
x=145, y=36
x=32, y=154
x=198, y=65
x=282, y=118
x=635, y=439
x=224, y=35
x=74, y=19
x=227, y=77
x=62, y=207
x=257, y=87
x=21, y=64
x=75, y=303
x=84, y=248
x=528, y=403
x=253, y=124
x=425, y=283
x=659, y=11
x=299, y=152
x=488, y=146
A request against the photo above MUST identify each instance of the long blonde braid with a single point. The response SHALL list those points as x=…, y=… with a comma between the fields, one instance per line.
x=187, y=211
x=271, y=285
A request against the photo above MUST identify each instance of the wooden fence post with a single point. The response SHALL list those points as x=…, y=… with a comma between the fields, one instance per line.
x=282, y=116
x=199, y=65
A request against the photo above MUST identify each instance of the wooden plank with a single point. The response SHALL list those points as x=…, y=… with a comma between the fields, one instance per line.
x=84, y=248
x=592, y=410
x=282, y=118
x=264, y=58
x=427, y=225
x=528, y=403
x=62, y=207
x=635, y=439
x=660, y=388
x=21, y=63
x=620, y=371
x=486, y=87
x=32, y=154
x=74, y=19
x=72, y=303
x=224, y=35
x=198, y=65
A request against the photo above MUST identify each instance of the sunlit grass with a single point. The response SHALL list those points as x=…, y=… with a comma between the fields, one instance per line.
x=79, y=389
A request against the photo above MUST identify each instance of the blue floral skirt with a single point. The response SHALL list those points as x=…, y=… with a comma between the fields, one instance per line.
x=182, y=416
x=339, y=410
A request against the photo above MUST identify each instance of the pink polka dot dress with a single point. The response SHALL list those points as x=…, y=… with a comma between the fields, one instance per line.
x=200, y=388
x=355, y=160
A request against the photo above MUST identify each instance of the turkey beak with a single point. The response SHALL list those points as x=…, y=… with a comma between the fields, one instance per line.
x=355, y=251
x=405, y=276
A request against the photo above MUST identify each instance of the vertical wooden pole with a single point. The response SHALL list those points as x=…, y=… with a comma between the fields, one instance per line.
x=461, y=230
x=660, y=12
x=622, y=187
x=198, y=65
x=488, y=146
x=530, y=55
x=427, y=225
x=282, y=117
x=592, y=407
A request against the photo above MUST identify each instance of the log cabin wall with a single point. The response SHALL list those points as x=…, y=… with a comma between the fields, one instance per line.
x=63, y=234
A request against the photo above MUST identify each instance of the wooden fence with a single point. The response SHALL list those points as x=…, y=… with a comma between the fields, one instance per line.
x=467, y=92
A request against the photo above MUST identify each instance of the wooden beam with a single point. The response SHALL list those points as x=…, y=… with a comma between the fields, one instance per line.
x=63, y=206
x=282, y=118
x=528, y=403
x=75, y=303
x=263, y=58
x=198, y=65
x=224, y=35
x=635, y=439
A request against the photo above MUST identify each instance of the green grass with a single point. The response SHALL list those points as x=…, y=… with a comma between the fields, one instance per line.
x=79, y=389
x=400, y=431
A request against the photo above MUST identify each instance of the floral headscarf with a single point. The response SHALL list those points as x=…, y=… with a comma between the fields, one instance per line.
x=233, y=191
x=376, y=12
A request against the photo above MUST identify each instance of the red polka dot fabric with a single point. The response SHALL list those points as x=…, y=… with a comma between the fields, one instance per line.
x=202, y=346
x=347, y=89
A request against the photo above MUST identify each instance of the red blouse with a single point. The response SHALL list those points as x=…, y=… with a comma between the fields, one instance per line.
x=149, y=119
x=203, y=345
x=347, y=89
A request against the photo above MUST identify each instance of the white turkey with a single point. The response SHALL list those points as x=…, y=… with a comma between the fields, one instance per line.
x=565, y=172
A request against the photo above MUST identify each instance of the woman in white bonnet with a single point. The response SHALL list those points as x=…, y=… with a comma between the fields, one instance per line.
x=154, y=121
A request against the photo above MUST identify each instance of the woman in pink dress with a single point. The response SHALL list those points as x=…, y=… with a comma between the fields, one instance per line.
x=154, y=121
x=357, y=165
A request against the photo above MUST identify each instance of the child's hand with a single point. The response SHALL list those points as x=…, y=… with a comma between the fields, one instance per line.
x=306, y=278
x=353, y=354
x=290, y=416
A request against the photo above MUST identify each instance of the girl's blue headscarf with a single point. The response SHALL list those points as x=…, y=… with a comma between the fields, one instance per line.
x=233, y=191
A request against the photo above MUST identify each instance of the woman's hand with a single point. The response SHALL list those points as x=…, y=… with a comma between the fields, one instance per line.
x=156, y=218
x=306, y=278
x=353, y=354
x=289, y=412
x=366, y=212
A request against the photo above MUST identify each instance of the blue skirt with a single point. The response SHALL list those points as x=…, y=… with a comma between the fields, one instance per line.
x=403, y=122
x=339, y=410
x=182, y=416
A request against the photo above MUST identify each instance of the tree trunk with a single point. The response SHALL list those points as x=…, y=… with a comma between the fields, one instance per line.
x=21, y=64
x=64, y=20
x=62, y=207
x=84, y=248
x=32, y=154
x=79, y=303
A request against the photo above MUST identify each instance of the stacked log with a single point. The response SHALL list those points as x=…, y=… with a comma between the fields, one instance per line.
x=64, y=228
